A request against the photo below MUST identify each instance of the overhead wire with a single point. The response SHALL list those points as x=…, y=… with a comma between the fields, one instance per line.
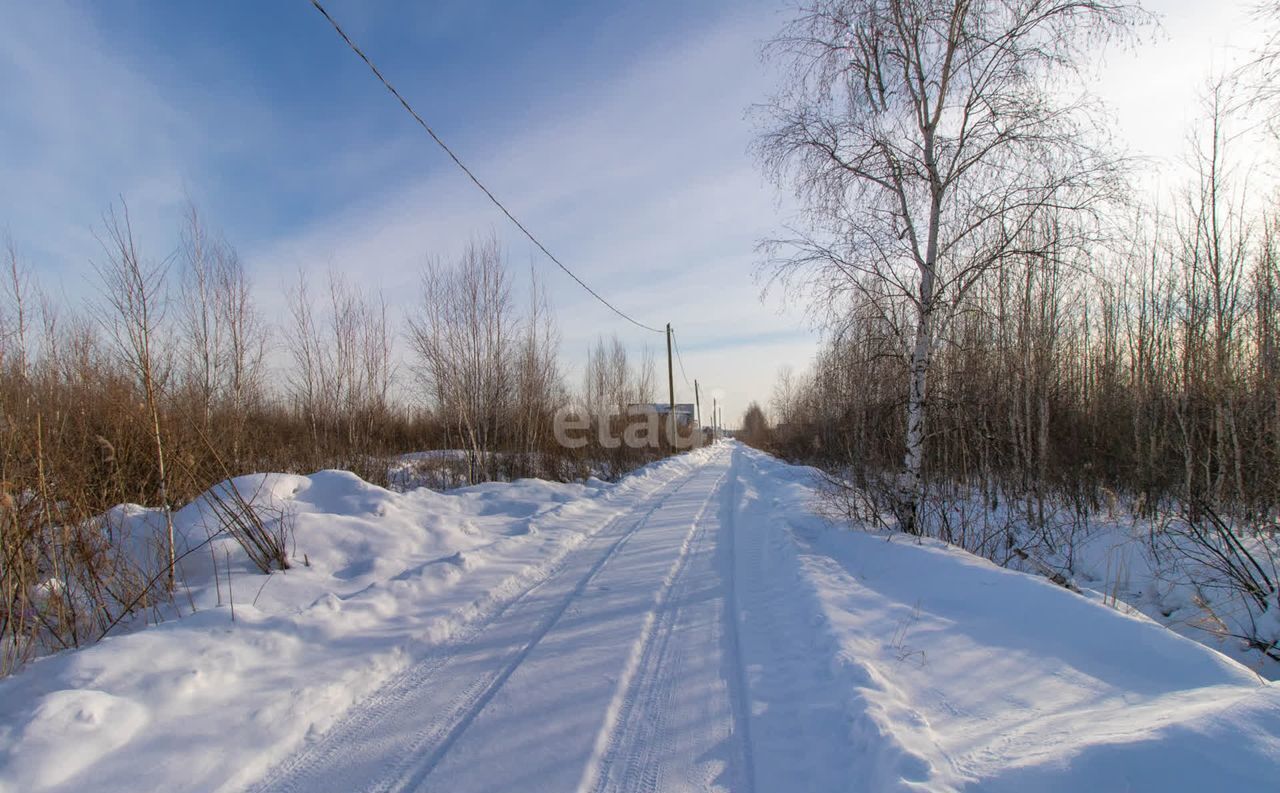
x=676, y=343
x=405, y=103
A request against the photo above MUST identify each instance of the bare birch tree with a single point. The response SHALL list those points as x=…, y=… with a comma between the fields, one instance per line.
x=464, y=338
x=18, y=292
x=245, y=343
x=306, y=376
x=538, y=386
x=1261, y=75
x=132, y=312
x=923, y=138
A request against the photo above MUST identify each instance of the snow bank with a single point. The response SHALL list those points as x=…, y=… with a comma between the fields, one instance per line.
x=1116, y=563
x=203, y=703
x=957, y=674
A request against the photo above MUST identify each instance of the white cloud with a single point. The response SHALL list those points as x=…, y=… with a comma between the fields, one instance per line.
x=81, y=126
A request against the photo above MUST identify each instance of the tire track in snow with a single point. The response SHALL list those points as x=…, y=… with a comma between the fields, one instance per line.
x=789, y=699
x=643, y=681
x=304, y=773
x=739, y=692
x=469, y=713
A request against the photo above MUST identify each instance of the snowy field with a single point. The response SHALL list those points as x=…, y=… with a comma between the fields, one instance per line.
x=695, y=626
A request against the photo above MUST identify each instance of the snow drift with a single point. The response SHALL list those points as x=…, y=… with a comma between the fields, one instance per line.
x=958, y=674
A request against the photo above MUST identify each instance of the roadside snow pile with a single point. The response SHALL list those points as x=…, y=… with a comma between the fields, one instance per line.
x=204, y=703
x=1205, y=584
x=1208, y=576
x=957, y=674
x=438, y=469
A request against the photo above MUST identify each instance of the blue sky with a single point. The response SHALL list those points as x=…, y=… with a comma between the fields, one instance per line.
x=271, y=95
x=618, y=131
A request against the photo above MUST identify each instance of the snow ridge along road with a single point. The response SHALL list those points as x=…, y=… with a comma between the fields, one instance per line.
x=607, y=675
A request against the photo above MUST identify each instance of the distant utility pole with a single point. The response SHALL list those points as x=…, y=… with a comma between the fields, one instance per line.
x=715, y=430
x=671, y=388
x=697, y=404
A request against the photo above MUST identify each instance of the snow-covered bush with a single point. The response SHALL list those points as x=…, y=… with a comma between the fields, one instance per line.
x=1232, y=565
x=261, y=527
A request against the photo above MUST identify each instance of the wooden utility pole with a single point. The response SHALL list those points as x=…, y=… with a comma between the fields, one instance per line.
x=715, y=430
x=697, y=404
x=671, y=390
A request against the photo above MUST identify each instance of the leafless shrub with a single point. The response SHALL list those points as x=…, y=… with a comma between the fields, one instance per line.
x=755, y=428
x=437, y=473
x=465, y=340
x=263, y=530
x=857, y=497
x=1232, y=561
x=64, y=582
x=135, y=298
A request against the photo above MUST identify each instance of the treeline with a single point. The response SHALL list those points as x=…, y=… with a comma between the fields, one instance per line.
x=1148, y=369
x=1156, y=377
x=171, y=379
x=491, y=373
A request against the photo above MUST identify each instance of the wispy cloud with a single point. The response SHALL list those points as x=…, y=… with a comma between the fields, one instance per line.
x=80, y=126
x=645, y=188
x=633, y=169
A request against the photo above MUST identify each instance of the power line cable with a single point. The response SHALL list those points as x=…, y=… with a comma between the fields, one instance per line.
x=405, y=103
x=676, y=341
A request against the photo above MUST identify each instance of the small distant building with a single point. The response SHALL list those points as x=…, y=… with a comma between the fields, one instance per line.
x=686, y=412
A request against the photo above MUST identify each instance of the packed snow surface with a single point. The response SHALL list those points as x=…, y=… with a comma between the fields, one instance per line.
x=695, y=626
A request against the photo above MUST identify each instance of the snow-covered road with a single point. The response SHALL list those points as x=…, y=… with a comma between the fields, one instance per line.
x=693, y=627
x=620, y=671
